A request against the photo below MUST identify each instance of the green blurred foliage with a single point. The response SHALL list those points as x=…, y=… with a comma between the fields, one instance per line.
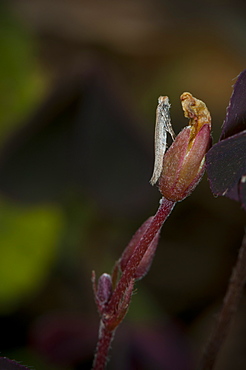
x=28, y=236
x=28, y=246
x=22, y=82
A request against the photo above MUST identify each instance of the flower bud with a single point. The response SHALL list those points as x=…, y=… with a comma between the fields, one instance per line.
x=126, y=255
x=184, y=162
x=147, y=259
x=104, y=289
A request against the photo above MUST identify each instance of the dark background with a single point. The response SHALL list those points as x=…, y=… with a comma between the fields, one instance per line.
x=79, y=82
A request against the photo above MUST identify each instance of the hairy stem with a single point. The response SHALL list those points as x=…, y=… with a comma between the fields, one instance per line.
x=229, y=308
x=105, y=338
x=117, y=306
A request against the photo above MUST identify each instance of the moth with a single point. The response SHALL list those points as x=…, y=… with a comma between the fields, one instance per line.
x=162, y=126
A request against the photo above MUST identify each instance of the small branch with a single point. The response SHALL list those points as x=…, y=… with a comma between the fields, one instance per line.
x=105, y=338
x=229, y=308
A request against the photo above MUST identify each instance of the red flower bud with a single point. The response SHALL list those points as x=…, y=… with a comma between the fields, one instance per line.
x=147, y=259
x=126, y=255
x=184, y=162
x=104, y=288
x=145, y=263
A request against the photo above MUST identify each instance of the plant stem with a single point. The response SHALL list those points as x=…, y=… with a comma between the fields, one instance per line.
x=161, y=215
x=105, y=338
x=112, y=316
x=229, y=308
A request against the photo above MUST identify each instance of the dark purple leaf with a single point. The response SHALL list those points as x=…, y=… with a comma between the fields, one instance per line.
x=226, y=164
x=233, y=193
x=226, y=160
x=242, y=191
x=235, y=120
x=6, y=364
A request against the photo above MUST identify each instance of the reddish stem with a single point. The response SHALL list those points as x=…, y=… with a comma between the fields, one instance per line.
x=111, y=318
x=105, y=338
x=229, y=308
x=161, y=215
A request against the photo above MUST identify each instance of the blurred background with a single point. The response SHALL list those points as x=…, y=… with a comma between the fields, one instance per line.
x=79, y=82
